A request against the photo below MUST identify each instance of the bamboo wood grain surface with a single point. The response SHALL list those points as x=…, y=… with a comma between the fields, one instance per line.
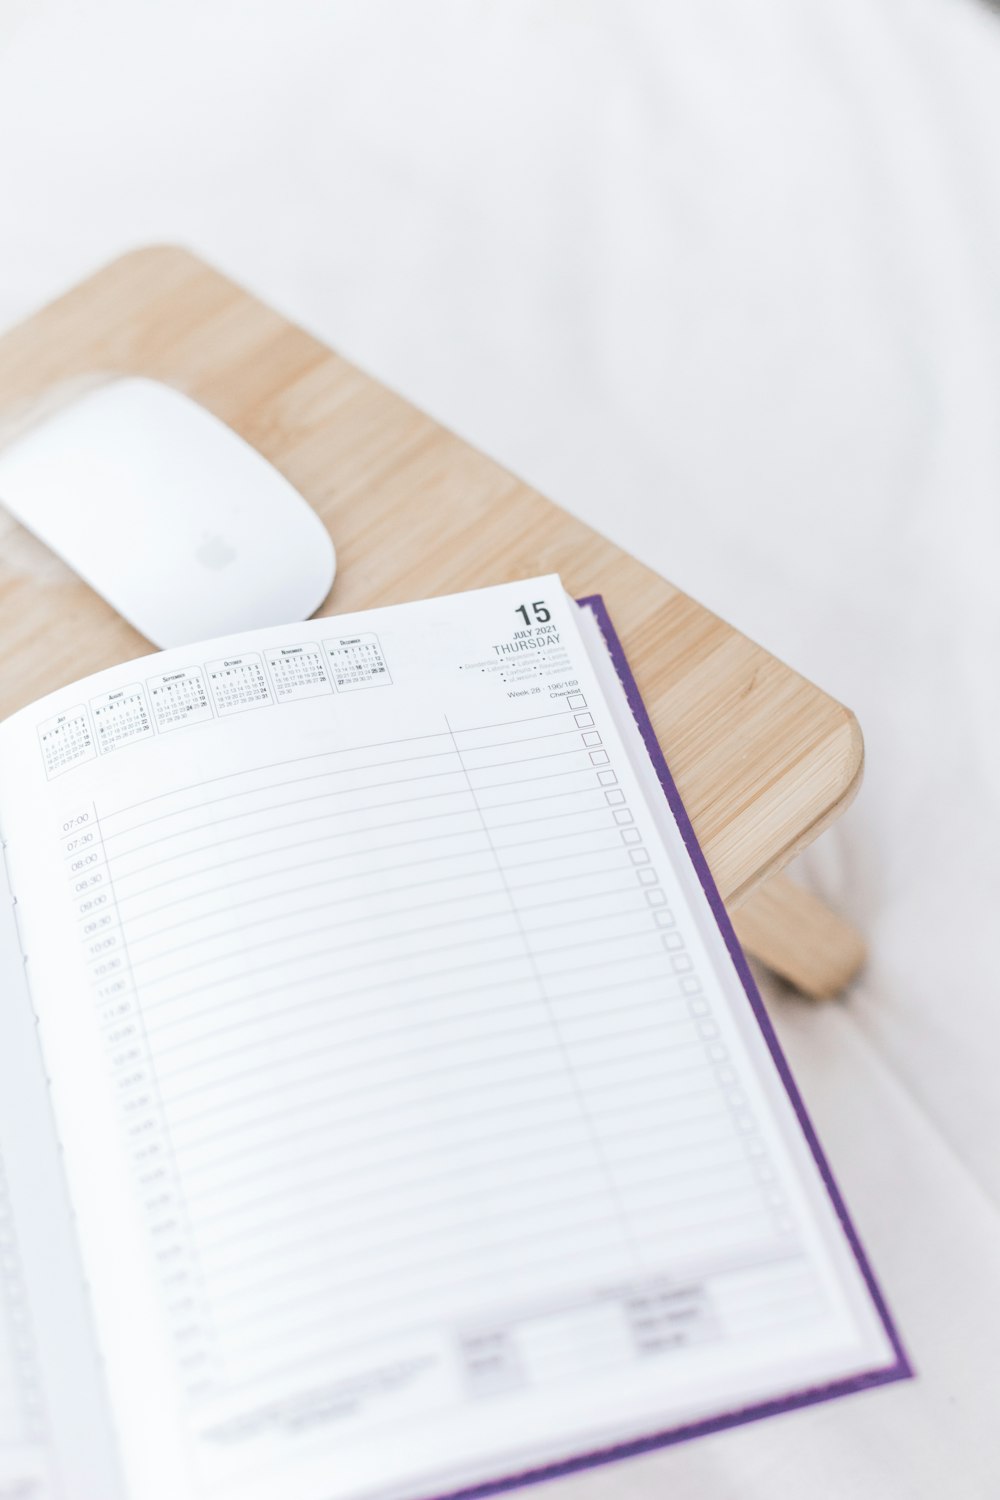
x=764, y=760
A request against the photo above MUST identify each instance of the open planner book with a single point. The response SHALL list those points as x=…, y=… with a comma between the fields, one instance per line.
x=385, y=1107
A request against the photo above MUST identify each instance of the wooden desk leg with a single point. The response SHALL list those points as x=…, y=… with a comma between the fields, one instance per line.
x=793, y=933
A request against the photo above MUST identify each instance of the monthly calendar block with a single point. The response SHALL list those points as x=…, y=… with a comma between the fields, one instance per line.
x=66, y=740
x=238, y=683
x=356, y=661
x=298, y=672
x=179, y=698
x=121, y=718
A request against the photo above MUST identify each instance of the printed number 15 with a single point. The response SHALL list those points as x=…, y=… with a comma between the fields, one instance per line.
x=538, y=612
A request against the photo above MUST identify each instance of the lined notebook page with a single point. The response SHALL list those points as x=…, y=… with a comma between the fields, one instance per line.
x=24, y=1468
x=22, y=1436
x=422, y=1113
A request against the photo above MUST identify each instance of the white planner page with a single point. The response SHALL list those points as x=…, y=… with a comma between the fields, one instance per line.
x=415, y=1130
x=24, y=1463
x=55, y=1434
x=25, y=1453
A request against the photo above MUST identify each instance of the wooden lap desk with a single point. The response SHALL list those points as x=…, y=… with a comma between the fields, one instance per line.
x=763, y=759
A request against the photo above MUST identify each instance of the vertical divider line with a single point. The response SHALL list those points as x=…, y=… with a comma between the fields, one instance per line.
x=612, y=1186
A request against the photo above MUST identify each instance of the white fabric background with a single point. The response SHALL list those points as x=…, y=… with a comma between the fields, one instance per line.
x=723, y=279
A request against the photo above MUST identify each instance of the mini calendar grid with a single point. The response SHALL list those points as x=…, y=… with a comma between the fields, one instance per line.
x=66, y=740
x=121, y=717
x=298, y=672
x=357, y=662
x=196, y=694
x=238, y=683
x=179, y=698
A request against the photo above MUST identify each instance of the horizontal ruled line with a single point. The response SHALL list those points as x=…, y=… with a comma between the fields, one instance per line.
x=626, y=889
x=365, y=807
x=344, y=1044
x=605, y=812
x=646, y=928
x=340, y=1205
x=655, y=978
x=531, y=1153
x=438, y=1232
x=421, y=1077
x=450, y=753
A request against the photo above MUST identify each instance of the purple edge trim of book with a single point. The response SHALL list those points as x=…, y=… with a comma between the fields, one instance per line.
x=900, y=1368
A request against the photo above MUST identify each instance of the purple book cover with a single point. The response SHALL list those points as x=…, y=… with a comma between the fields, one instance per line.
x=900, y=1367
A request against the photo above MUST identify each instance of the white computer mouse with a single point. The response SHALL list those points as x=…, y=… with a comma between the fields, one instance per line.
x=182, y=526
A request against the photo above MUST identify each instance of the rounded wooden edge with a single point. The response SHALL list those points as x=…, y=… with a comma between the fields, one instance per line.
x=159, y=251
x=839, y=803
x=136, y=273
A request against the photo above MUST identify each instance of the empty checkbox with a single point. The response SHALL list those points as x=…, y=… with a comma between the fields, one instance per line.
x=623, y=816
x=631, y=836
x=717, y=1052
x=591, y=737
x=671, y=941
x=607, y=778
x=614, y=798
x=698, y=1006
x=690, y=986
x=656, y=898
x=584, y=721
x=707, y=1029
x=681, y=963
x=599, y=757
x=665, y=917
x=637, y=856
x=647, y=877
x=576, y=700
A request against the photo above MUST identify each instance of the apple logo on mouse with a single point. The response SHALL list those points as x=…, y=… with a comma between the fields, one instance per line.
x=215, y=552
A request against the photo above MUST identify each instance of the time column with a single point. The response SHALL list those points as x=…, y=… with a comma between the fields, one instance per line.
x=118, y=1007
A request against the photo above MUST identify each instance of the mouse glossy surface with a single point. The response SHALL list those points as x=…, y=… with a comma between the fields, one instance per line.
x=181, y=525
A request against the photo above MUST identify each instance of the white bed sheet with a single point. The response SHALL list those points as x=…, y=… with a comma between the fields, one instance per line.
x=725, y=281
